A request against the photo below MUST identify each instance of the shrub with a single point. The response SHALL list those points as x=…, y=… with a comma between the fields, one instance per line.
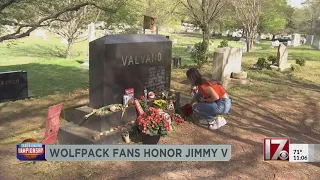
x=262, y=63
x=198, y=56
x=301, y=62
x=272, y=59
x=293, y=68
x=223, y=43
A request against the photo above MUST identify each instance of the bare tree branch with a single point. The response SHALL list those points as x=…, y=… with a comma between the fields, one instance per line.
x=31, y=27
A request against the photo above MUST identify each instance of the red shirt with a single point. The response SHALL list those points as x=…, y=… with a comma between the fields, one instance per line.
x=216, y=87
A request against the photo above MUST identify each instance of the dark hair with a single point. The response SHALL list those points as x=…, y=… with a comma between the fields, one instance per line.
x=197, y=79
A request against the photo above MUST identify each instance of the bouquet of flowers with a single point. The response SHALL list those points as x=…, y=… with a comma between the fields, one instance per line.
x=153, y=123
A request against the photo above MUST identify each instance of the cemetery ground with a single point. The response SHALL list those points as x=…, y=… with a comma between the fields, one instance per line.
x=276, y=104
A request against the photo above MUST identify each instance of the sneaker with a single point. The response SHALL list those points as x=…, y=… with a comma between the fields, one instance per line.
x=221, y=122
x=214, y=125
x=218, y=123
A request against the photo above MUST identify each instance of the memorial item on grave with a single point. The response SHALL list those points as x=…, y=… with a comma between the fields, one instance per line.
x=126, y=99
x=145, y=93
x=125, y=136
x=151, y=95
x=130, y=92
x=176, y=118
x=170, y=106
x=113, y=108
x=96, y=137
x=160, y=103
x=105, y=110
x=139, y=108
x=187, y=110
x=194, y=91
x=153, y=123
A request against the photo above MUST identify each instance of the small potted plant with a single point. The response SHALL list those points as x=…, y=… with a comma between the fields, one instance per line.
x=125, y=136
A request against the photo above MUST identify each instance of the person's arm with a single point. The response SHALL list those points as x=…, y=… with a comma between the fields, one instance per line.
x=211, y=93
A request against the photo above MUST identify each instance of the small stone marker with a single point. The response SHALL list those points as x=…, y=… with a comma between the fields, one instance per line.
x=91, y=37
x=282, y=59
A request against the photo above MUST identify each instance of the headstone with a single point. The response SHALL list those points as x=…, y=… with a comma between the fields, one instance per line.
x=275, y=43
x=226, y=61
x=41, y=33
x=296, y=38
x=309, y=39
x=91, y=37
x=282, y=58
x=118, y=62
x=175, y=41
x=244, y=47
x=316, y=38
x=189, y=49
x=177, y=62
x=64, y=41
x=13, y=85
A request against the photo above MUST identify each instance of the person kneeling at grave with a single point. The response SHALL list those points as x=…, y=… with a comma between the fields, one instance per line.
x=212, y=100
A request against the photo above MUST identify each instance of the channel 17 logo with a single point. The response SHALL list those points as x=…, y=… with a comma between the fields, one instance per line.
x=276, y=149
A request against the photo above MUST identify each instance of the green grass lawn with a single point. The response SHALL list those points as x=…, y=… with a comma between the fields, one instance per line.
x=49, y=73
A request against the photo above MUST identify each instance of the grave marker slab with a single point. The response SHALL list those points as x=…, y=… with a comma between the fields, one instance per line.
x=226, y=61
x=118, y=62
x=13, y=85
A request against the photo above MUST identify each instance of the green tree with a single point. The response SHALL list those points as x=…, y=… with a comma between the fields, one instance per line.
x=274, y=17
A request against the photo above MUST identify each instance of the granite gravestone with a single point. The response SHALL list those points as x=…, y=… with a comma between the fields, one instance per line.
x=118, y=62
x=13, y=85
x=282, y=58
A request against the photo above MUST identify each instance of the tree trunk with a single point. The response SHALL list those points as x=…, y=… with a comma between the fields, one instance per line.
x=157, y=30
x=250, y=39
x=273, y=37
x=205, y=26
x=205, y=38
x=69, y=49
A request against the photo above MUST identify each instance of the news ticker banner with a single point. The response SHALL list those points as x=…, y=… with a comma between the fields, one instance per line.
x=40, y=152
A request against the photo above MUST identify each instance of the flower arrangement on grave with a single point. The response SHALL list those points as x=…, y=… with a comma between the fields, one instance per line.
x=158, y=118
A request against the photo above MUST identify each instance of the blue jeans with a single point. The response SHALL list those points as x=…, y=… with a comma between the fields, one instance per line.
x=212, y=109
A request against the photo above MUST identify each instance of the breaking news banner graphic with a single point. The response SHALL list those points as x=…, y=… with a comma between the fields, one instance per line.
x=276, y=149
x=31, y=150
x=137, y=152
